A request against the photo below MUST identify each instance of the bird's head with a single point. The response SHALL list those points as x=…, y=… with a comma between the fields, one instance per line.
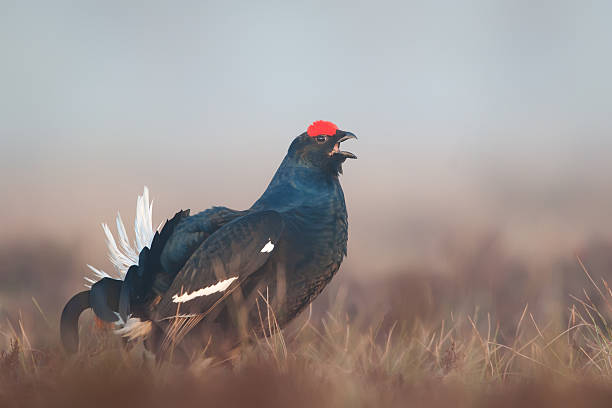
x=319, y=147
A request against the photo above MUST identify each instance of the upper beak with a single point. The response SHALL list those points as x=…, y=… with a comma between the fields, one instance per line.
x=346, y=136
x=343, y=137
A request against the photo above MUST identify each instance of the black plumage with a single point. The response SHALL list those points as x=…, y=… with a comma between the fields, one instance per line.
x=204, y=274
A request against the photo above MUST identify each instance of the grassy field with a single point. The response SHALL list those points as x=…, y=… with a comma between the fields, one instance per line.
x=408, y=340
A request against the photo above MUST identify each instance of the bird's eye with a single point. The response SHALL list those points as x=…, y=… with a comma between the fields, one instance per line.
x=321, y=139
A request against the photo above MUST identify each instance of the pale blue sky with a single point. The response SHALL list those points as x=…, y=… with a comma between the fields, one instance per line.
x=200, y=101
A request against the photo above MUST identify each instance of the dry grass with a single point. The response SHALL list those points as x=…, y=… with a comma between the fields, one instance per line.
x=331, y=362
x=338, y=355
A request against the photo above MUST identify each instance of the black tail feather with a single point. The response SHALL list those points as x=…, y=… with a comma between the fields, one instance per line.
x=104, y=299
x=69, y=323
x=161, y=280
x=125, y=296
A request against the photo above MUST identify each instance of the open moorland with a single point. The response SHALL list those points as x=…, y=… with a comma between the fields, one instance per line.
x=491, y=333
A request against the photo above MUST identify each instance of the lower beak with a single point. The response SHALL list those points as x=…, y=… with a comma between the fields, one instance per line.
x=345, y=154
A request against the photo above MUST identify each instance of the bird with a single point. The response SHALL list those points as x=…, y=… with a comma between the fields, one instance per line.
x=207, y=277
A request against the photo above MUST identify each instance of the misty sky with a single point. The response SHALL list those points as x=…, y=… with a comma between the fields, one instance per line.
x=493, y=109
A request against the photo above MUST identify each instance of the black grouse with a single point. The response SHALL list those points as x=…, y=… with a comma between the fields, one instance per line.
x=210, y=277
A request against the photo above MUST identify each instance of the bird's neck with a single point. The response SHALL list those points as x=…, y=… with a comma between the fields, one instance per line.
x=294, y=184
x=292, y=170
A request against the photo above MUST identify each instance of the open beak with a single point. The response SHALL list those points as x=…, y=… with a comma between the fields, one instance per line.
x=343, y=137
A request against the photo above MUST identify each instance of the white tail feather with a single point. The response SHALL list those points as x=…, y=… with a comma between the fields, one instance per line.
x=120, y=260
x=124, y=255
x=124, y=241
x=143, y=224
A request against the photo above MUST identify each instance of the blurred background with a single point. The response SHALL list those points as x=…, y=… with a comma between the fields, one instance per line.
x=484, y=136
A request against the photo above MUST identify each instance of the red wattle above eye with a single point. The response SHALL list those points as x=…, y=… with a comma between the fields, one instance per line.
x=321, y=127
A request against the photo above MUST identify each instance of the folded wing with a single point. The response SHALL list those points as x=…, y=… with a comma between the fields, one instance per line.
x=221, y=263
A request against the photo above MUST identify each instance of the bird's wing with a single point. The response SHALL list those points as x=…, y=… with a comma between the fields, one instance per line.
x=221, y=263
x=190, y=233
